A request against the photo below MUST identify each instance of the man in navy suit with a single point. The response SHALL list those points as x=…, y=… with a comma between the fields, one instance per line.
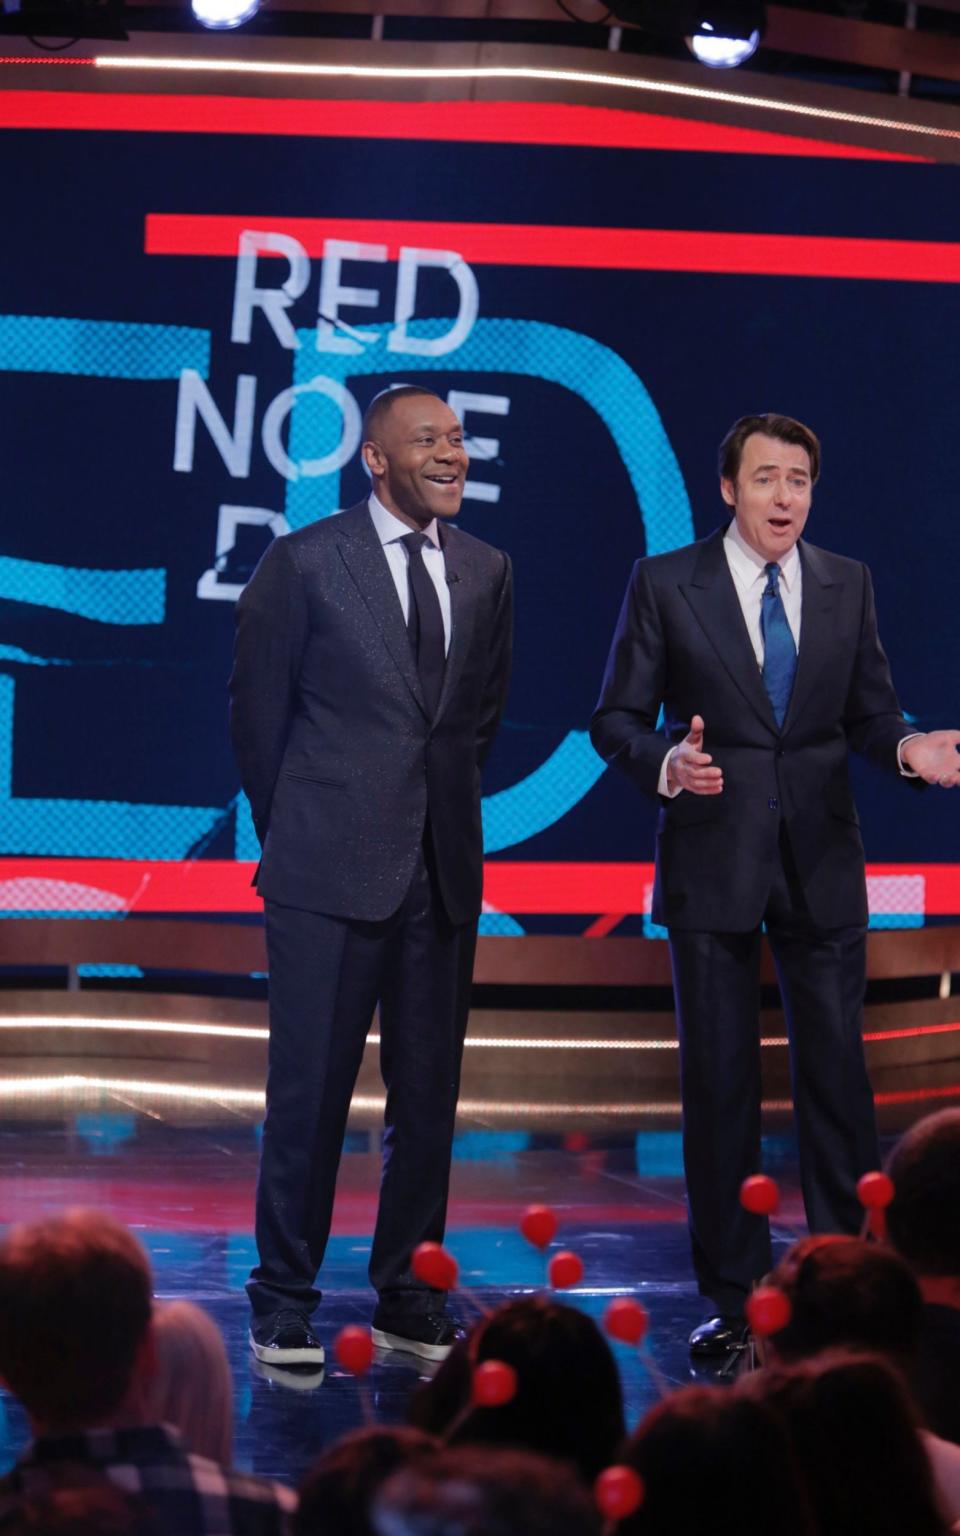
x=763, y=652
x=371, y=669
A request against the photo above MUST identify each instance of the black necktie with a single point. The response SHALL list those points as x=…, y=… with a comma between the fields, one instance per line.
x=425, y=622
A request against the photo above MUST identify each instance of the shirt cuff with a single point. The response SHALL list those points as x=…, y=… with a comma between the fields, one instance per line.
x=905, y=772
x=662, y=789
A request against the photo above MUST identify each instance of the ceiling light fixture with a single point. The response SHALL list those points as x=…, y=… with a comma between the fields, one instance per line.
x=223, y=15
x=727, y=33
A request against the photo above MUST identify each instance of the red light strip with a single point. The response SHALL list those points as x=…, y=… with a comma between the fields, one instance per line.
x=913, y=1031
x=604, y=925
x=914, y=1095
x=508, y=122
x=223, y=885
x=550, y=245
x=39, y=60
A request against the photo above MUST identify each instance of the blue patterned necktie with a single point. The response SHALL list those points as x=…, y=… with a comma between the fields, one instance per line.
x=779, y=651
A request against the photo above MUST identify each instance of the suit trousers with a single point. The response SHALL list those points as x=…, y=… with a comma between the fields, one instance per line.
x=327, y=975
x=822, y=976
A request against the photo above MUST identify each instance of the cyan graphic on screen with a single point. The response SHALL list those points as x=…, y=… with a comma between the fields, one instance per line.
x=91, y=828
x=99, y=349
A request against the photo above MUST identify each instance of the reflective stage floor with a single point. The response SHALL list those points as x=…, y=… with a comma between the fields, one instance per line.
x=185, y=1184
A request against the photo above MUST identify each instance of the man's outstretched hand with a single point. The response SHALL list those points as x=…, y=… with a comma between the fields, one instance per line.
x=690, y=767
x=934, y=757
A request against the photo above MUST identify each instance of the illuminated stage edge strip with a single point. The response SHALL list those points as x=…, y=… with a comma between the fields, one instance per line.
x=136, y=63
x=76, y=1084
x=38, y=1022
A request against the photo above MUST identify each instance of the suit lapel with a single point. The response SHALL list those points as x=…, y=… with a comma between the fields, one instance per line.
x=713, y=598
x=817, y=607
x=462, y=610
x=364, y=558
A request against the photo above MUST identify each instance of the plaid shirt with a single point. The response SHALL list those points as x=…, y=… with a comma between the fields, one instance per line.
x=186, y=1495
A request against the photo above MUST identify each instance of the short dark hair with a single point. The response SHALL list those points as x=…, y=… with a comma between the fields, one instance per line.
x=844, y=1292
x=481, y=1490
x=853, y=1430
x=75, y=1303
x=698, y=1451
x=381, y=405
x=923, y=1219
x=784, y=428
x=337, y=1492
x=568, y=1403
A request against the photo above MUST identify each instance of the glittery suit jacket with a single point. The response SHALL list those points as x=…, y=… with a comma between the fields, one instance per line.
x=681, y=642
x=337, y=754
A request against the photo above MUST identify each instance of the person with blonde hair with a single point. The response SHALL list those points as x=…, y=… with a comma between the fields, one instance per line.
x=193, y=1385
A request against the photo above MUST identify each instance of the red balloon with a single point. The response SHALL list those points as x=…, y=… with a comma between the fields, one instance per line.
x=539, y=1225
x=353, y=1348
x=618, y=1491
x=437, y=1268
x=875, y=1191
x=494, y=1383
x=760, y=1194
x=768, y=1310
x=565, y=1269
x=626, y=1320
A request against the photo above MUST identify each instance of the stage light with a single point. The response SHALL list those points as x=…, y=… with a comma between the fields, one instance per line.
x=719, y=33
x=221, y=15
x=722, y=52
x=727, y=34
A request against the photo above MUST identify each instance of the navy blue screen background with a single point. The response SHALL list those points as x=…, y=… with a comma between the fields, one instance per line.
x=110, y=708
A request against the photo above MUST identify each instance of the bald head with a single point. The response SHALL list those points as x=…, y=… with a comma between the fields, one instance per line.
x=413, y=450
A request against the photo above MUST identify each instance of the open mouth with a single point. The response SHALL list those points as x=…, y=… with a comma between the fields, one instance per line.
x=780, y=524
x=443, y=479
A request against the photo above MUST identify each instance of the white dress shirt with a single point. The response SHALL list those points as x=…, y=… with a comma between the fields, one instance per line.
x=747, y=568
x=390, y=530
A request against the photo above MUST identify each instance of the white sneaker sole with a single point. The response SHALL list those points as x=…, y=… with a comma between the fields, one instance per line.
x=270, y=1355
x=409, y=1346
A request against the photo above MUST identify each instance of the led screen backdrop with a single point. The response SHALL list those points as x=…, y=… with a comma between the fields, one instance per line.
x=198, y=297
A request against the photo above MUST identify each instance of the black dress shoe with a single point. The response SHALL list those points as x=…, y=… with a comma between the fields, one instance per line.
x=719, y=1336
x=427, y=1334
x=285, y=1338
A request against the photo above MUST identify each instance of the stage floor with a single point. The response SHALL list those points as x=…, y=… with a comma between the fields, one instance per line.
x=186, y=1187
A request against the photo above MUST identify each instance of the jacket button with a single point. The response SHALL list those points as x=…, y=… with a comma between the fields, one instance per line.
x=773, y=803
x=781, y=752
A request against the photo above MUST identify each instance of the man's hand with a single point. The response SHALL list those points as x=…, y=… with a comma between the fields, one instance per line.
x=689, y=766
x=934, y=757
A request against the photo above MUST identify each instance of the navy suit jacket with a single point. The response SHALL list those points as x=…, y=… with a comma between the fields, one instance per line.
x=681, y=642
x=337, y=754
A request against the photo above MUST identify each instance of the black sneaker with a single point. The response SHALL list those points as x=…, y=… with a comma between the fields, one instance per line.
x=418, y=1333
x=285, y=1338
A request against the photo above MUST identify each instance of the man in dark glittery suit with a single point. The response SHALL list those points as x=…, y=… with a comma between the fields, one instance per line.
x=371, y=668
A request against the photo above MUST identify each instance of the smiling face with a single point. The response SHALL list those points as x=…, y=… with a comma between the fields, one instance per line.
x=417, y=460
x=771, y=494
